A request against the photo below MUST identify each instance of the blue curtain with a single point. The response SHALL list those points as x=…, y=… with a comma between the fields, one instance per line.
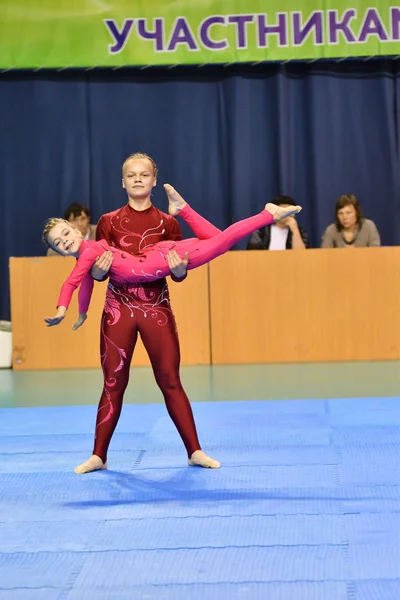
x=228, y=139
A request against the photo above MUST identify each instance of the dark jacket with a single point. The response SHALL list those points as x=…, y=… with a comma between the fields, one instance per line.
x=260, y=239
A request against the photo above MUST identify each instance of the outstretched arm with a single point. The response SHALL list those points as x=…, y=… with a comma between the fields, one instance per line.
x=79, y=274
x=84, y=296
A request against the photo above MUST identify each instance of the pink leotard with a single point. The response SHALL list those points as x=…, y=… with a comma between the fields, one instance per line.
x=152, y=263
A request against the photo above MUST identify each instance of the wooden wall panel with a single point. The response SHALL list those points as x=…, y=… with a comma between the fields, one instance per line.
x=305, y=306
x=35, y=285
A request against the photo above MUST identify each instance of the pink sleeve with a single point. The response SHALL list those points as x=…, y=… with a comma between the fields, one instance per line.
x=81, y=269
x=85, y=293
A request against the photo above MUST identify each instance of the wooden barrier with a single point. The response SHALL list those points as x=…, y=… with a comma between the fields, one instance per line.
x=35, y=285
x=305, y=306
x=250, y=307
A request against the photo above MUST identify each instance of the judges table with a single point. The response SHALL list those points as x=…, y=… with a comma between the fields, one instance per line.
x=35, y=286
x=244, y=307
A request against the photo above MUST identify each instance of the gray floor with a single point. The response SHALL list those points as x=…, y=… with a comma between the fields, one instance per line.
x=207, y=384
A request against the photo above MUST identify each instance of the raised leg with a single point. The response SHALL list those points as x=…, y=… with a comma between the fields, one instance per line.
x=154, y=265
x=201, y=228
x=203, y=251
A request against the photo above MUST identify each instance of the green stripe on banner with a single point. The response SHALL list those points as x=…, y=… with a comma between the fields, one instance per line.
x=90, y=33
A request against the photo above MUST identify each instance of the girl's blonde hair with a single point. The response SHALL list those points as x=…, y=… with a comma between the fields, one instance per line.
x=49, y=226
x=141, y=156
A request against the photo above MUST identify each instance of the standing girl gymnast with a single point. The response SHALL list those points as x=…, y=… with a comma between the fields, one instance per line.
x=127, y=232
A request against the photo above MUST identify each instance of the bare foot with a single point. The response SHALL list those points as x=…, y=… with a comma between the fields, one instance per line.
x=281, y=212
x=200, y=459
x=175, y=200
x=93, y=464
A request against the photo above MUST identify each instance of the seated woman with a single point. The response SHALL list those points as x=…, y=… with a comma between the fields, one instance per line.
x=350, y=229
x=152, y=262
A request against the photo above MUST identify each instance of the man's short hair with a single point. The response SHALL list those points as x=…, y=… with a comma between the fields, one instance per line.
x=76, y=210
x=279, y=200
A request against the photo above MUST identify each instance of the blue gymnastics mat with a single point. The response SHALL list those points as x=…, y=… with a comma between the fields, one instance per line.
x=306, y=505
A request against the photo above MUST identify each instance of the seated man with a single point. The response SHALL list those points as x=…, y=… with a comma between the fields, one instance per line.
x=79, y=216
x=283, y=235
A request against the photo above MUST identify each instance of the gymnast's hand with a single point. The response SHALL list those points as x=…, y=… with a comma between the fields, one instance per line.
x=80, y=321
x=176, y=264
x=51, y=321
x=101, y=266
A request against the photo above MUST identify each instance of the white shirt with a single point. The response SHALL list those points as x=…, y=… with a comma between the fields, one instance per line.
x=278, y=238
